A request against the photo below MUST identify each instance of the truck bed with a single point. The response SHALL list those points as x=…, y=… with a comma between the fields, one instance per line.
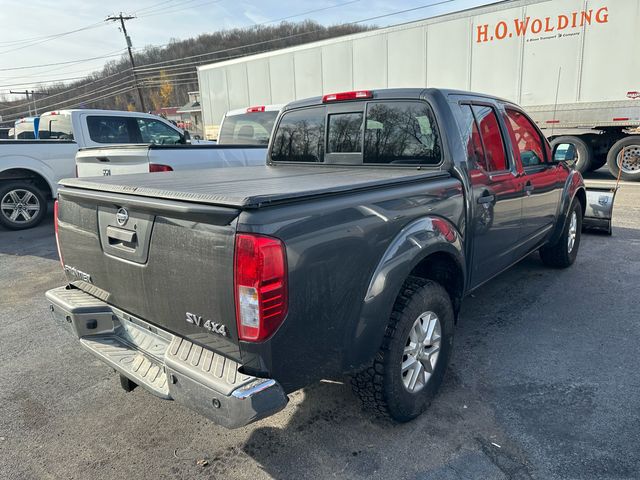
x=252, y=187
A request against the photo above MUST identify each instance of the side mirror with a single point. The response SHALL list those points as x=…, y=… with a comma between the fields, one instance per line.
x=565, y=153
x=186, y=137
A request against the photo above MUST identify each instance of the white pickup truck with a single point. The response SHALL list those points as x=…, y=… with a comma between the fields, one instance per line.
x=31, y=169
x=244, y=137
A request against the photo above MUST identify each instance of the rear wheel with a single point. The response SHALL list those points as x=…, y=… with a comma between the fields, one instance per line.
x=625, y=156
x=410, y=365
x=22, y=205
x=584, y=154
x=563, y=253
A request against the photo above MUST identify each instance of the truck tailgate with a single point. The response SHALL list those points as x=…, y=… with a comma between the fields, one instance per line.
x=93, y=162
x=169, y=263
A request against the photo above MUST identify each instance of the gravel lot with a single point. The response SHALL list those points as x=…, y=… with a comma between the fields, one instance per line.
x=544, y=384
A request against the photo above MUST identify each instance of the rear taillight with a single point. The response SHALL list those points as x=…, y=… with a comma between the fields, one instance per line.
x=256, y=109
x=260, y=285
x=344, y=96
x=156, y=167
x=55, y=227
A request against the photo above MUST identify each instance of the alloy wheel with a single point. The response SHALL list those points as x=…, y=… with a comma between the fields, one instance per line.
x=19, y=206
x=421, y=352
x=573, y=231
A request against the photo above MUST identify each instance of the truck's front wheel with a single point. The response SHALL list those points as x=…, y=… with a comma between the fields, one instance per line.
x=410, y=365
x=563, y=253
x=22, y=205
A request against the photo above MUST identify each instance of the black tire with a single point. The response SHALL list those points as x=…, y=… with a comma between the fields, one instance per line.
x=632, y=147
x=7, y=202
x=583, y=149
x=559, y=255
x=381, y=387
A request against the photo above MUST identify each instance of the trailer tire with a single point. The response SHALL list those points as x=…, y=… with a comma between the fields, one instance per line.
x=24, y=201
x=564, y=251
x=630, y=162
x=583, y=149
x=422, y=306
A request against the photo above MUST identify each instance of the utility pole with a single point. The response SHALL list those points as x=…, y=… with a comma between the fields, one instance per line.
x=122, y=18
x=33, y=94
x=26, y=94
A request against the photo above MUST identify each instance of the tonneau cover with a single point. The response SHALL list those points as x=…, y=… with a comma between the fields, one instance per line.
x=251, y=187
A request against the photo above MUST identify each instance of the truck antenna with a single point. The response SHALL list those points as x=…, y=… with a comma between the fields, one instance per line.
x=555, y=105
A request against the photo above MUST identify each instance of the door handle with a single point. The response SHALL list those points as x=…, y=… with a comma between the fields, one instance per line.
x=528, y=188
x=103, y=159
x=486, y=198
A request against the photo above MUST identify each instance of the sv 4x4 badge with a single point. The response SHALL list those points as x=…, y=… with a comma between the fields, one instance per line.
x=213, y=327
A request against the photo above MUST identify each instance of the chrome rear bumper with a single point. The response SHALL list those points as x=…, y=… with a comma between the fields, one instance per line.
x=168, y=366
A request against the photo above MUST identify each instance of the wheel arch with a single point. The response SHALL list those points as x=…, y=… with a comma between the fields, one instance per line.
x=573, y=189
x=581, y=195
x=19, y=173
x=429, y=247
x=443, y=268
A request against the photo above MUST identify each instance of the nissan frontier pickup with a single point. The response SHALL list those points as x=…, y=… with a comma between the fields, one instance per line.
x=348, y=253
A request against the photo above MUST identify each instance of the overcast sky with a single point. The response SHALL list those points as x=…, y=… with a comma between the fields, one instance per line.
x=26, y=24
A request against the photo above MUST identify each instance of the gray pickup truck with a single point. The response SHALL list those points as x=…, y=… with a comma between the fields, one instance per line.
x=349, y=253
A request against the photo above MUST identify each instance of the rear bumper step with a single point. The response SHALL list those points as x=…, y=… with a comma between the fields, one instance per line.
x=168, y=366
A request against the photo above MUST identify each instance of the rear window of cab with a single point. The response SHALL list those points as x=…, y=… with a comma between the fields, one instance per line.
x=398, y=132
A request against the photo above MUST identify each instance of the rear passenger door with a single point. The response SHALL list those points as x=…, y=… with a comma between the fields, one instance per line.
x=497, y=196
x=540, y=178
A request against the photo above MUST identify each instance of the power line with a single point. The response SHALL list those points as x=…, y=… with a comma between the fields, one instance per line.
x=171, y=75
x=82, y=97
x=104, y=97
x=123, y=72
x=181, y=6
x=44, y=82
x=307, y=12
x=84, y=71
x=13, y=43
x=152, y=6
x=63, y=63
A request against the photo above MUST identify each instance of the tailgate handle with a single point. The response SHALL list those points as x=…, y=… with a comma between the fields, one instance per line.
x=103, y=159
x=120, y=234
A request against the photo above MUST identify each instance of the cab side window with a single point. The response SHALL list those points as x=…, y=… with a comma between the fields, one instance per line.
x=495, y=157
x=157, y=133
x=472, y=139
x=105, y=129
x=526, y=139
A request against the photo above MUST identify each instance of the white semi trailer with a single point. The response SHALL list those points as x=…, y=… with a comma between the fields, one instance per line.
x=573, y=64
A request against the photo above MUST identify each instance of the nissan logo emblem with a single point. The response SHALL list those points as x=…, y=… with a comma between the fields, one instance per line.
x=122, y=216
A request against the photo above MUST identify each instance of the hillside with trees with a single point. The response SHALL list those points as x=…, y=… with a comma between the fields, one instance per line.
x=166, y=73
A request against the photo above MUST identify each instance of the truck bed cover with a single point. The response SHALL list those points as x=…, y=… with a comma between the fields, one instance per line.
x=251, y=187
